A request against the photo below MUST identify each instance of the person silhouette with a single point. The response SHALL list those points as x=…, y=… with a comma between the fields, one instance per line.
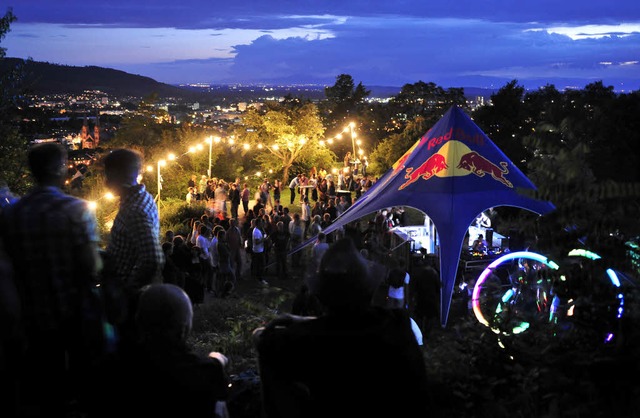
x=303, y=360
x=161, y=375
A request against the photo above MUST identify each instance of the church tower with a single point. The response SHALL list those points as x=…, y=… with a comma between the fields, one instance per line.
x=84, y=134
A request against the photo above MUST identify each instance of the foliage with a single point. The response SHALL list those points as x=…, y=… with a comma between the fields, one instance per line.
x=290, y=133
x=422, y=100
x=585, y=133
x=473, y=372
x=410, y=114
x=176, y=215
x=393, y=147
x=343, y=101
x=13, y=146
x=227, y=324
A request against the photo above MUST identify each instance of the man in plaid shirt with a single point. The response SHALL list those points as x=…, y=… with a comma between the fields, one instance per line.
x=52, y=242
x=134, y=256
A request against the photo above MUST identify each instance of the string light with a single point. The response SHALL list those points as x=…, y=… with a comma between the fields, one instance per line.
x=358, y=154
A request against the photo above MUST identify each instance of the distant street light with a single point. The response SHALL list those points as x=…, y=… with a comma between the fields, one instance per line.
x=210, y=141
x=161, y=163
x=353, y=137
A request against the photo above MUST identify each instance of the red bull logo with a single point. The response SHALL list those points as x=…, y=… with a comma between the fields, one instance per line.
x=471, y=162
x=480, y=166
x=399, y=165
x=434, y=164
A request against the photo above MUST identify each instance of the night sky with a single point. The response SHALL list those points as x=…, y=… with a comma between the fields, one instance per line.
x=463, y=43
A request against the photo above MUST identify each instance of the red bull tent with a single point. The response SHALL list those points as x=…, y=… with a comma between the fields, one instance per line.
x=453, y=173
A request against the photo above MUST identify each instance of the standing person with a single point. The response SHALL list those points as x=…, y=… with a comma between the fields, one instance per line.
x=235, y=241
x=277, y=188
x=296, y=234
x=316, y=226
x=317, y=251
x=192, y=181
x=257, y=254
x=225, y=276
x=246, y=196
x=134, y=257
x=280, y=241
x=52, y=242
x=313, y=181
x=234, y=197
x=305, y=215
x=293, y=185
x=203, y=242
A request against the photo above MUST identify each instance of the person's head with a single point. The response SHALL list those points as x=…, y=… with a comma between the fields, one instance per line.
x=343, y=283
x=168, y=235
x=322, y=237
x=178, y=241
x=204, y=230
x=48, y=163
x=396, y=277
x=167, y=248
x=280, y=226
x=121, y=168
x=164, y=315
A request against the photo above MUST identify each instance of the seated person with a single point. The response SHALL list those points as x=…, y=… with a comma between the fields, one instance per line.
x=479, y=244
x=355, y=359
x=161, y=376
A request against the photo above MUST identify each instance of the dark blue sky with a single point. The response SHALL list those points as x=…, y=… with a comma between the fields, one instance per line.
x=462, y=43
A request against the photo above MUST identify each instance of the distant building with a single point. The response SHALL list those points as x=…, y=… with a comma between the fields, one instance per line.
x=86, y=139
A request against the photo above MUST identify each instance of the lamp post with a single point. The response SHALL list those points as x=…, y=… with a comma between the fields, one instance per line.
x=161, y=163
x=353, y=140
x=209, y=140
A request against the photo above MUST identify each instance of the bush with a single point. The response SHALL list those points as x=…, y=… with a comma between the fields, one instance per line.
x=175, y=215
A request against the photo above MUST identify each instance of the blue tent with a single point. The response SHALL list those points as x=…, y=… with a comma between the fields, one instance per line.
x=453, y=173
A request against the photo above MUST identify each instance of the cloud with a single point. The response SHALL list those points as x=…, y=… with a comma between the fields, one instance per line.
x=254, y=14
x=378, y=43
x=408, y=50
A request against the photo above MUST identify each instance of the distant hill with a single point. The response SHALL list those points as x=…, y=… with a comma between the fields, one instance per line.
x=46, y=78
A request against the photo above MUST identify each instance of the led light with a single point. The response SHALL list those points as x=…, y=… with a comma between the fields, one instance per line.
x=475, y=297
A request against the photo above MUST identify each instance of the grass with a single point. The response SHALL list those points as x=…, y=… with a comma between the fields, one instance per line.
x=474, y=372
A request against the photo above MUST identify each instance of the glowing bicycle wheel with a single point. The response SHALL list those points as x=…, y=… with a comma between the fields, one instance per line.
x=509, y=294
x=615, y=282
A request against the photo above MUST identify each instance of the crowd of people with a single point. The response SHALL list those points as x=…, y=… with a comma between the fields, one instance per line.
x=73, y=313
